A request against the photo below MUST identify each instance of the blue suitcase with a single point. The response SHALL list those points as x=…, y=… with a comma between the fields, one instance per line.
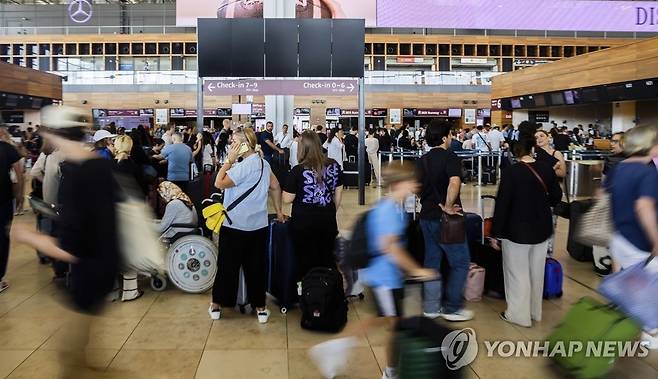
x=281, y=265
x=553, y=278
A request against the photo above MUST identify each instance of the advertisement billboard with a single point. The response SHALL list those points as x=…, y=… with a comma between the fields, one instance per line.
x=568, y=15
x=188, y=11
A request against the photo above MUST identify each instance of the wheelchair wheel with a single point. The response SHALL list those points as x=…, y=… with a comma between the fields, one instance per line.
x=192, y=264
x=158, y=283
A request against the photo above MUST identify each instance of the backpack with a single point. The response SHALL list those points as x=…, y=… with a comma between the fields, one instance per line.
x=323, y=303
x=357, y=255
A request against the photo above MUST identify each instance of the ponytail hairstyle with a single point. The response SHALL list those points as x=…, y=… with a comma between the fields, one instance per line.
x=527, y=140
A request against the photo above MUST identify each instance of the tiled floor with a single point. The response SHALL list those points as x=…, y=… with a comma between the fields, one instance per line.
x=169, y=335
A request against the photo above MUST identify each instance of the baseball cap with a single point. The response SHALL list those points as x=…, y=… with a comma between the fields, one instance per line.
x=102, y=134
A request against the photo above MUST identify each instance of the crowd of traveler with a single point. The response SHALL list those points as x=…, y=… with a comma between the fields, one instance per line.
x=77, y=173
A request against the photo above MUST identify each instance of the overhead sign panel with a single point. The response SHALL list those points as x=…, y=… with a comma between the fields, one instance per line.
x=568, y=15
x=280, y=87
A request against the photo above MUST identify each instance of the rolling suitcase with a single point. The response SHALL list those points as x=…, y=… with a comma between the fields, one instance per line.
x=474, y=287
x=353, y=288
x=351, y=174
x=419, y=344
x=553, y=278
x=589, y=322
x=242, y=300
x=473, y=223
x=281, y=265
x=576, y=250
x=489, y=258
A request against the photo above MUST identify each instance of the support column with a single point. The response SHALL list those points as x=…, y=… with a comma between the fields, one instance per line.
x=361, y=157
x=199, y=105
x=623, y=116
x=279, y=109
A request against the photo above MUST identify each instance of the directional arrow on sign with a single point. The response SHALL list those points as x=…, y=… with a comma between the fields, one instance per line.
x=351, y=87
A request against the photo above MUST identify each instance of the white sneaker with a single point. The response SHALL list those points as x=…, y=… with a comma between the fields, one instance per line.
x=263, y=316
x=460, y=315
x=330, y=357
x=433, y=315
x=215, y=314
x=390, y=373
x=650, y=339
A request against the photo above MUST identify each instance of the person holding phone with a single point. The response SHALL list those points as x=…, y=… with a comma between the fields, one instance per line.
x=246, y=178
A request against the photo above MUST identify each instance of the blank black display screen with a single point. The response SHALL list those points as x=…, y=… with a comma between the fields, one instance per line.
x=281, y=47
x=347, y=47
x=214, y=47
x=247, y=48
x=315, y=48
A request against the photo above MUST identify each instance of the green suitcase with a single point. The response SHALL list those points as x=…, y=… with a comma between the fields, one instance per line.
x=591, y=322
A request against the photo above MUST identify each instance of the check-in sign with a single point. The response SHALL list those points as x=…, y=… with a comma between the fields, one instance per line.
x=326, y=87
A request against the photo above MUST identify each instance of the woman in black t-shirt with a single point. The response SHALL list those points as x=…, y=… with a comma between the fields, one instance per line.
x=314, y=187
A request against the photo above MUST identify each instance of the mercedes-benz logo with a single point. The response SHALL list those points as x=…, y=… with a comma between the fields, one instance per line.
x=80, y=11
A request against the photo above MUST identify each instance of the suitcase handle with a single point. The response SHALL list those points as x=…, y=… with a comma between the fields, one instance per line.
x=483, y=198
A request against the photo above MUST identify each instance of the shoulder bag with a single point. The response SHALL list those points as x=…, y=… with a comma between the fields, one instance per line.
x=453, y=228
x=595, y=226
x=215, y=214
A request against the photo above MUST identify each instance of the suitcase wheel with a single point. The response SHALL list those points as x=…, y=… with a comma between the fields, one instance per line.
x=284, y=310
x=158, y=283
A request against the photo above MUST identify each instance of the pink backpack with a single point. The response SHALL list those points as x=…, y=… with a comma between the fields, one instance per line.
x=474, y=283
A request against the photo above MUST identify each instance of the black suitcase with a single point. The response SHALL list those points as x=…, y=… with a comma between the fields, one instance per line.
x=419, y=346
x=415, y=239
x=576, y=250
x=351, y=174
x=492, y=261
x=281, y=265
x=473, y=223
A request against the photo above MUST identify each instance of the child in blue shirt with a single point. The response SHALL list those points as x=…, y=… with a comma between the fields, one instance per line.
x=385, y=227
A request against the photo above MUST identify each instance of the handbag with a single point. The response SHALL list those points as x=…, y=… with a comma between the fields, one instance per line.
x=138, y=241
x=216, y=213
x=634, y=290
x=595, y=226
x=453, y=227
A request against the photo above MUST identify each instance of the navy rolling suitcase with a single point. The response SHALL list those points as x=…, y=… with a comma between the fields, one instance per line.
x=281, y=265
x=473, y=223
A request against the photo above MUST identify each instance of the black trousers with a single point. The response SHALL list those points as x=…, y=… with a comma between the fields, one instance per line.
x=6, y=216
x=239, y=248
x=314, y=241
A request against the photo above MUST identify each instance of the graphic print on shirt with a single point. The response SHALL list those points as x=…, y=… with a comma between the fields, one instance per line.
x=320, y=193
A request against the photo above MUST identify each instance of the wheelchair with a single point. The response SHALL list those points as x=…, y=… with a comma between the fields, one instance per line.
x=191, y=260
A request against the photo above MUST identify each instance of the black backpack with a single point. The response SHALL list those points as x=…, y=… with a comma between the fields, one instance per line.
x=357, y=254
x=323, y=303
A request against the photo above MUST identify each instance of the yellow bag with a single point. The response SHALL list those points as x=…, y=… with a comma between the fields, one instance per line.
x=214, y=215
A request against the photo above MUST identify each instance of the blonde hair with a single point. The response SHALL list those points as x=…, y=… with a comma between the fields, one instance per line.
x=397, y=172
x=123, y=145
x=639, y=140
x=249, y=136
